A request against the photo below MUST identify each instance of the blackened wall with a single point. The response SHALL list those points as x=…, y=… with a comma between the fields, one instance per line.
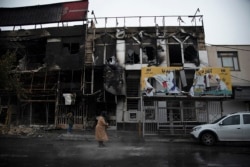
x=65, y=47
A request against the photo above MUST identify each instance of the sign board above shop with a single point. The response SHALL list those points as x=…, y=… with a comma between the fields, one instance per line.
x=52, y=13
x=166, y=81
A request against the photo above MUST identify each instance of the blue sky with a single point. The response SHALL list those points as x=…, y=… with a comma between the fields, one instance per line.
x=225, y=21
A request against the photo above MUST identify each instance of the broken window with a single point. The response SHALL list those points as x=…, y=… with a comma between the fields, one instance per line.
x=64, y=53
x=73, y=48
x=35, y=53
x=182, y=49
x=105, y=48
x=175, y=55
x=191, y=55
x=132, y=55
x=30, y=54
x=149, y=55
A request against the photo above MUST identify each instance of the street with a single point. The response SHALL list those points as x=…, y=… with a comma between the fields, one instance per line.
x=46, y=152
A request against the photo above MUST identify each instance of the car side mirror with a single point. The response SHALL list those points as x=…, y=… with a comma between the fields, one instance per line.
x=220, y=124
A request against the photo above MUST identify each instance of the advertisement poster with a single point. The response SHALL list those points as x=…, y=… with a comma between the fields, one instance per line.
x=165, y=76
x=212, y=81
x=206, y=81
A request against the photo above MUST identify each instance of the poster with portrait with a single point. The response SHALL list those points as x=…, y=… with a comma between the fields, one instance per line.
x=165, y=76
x=212, y=81
x=206, y=81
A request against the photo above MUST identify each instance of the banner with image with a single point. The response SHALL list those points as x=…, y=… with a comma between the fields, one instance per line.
x=206, y=81
x=163, y=75
x=212, y=81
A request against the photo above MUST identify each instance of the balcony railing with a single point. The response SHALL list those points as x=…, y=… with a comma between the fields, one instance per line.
x=124, y=21
x=146, y=21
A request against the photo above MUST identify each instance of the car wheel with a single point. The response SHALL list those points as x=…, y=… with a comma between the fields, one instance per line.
x=208, y=139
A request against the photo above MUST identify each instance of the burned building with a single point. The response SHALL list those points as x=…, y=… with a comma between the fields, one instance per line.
x=151, y=71
x=48, y=65
x=148, y=78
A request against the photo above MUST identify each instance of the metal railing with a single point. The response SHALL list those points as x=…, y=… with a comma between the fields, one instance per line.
x=123, y=21
x=142, y=21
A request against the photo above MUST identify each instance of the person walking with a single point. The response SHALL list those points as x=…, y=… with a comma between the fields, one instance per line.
x=70, y=122
x=100, y=129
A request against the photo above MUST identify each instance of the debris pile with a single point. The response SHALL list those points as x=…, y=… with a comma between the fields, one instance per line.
x=18, y=130
x=22, y=130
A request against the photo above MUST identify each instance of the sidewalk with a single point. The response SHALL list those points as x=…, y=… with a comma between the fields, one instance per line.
x=124, y=136
x=114, y=136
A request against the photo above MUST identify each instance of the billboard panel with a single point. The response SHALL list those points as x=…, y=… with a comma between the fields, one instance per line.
x=206, y=81
x=212, y=81
x=52, y=13
x=163, y=75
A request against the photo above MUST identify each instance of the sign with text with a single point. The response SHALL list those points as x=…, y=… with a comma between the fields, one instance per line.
x=172, y=80
x=212, y=81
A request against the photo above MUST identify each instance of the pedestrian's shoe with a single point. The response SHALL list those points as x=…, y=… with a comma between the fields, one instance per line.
x=101, y=144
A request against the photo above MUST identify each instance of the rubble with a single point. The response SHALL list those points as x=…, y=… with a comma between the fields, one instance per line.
x=22, y=130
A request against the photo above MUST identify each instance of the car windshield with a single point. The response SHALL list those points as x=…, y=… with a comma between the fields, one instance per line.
x=217, y=120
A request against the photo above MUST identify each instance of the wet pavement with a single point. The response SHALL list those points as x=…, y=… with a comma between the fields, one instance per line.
x=114, y=136
x=124, y=136
x=57, y=148
x=65, y=150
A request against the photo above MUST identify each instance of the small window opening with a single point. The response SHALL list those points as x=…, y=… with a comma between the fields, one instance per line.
x=191, y=55
x=149, y=55
x=73, y=48
x=175, y=55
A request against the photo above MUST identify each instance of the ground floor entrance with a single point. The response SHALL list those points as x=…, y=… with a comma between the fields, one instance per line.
x=177, y=116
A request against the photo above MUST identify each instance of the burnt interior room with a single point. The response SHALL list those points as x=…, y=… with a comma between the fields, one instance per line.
x=191, y=55
x=105, y=48
x=175, y=55
x=132, y=55
x=30, y=54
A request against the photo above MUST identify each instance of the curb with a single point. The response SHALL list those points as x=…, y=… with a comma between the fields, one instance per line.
x=125, y=138
x=114, y=136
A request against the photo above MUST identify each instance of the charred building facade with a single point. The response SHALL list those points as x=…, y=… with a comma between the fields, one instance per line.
x=149, y=78
x=48, y=65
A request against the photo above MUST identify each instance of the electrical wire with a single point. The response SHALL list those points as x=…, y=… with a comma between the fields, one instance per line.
x=240, y=78
x=223, y=46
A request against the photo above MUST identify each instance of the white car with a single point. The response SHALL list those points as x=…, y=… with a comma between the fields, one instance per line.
x=232, y=127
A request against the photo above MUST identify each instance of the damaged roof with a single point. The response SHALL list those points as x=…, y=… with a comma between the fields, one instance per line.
x=52, y=13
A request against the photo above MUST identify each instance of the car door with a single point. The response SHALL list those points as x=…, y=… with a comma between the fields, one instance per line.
x=246, y=127
x=230, y=129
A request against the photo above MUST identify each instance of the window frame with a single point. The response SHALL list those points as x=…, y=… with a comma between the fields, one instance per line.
x=229, y=54
x=245, y=119
x=232, y=120
x=73, y=47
